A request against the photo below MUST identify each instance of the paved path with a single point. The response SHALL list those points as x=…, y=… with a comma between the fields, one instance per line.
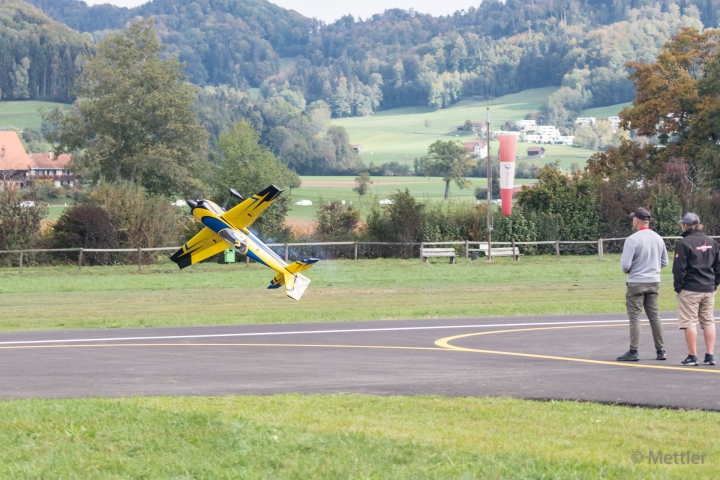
x=558, y=357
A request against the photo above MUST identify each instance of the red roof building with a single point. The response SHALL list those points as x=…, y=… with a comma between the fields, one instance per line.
x=18, y=168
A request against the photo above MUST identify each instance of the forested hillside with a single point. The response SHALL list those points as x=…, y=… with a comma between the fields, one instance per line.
x=401, y=58
x=39, y=57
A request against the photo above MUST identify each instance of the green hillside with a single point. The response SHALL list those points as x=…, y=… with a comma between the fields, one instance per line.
x=23, y=114
x=400, y=134
x=605, y=112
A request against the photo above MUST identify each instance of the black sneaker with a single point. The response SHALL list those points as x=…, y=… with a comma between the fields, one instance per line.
x=709, y=359
x=691, y=361
x=630, y=356
x=661, y=355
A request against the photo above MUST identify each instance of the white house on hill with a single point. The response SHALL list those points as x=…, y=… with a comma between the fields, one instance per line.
x=479, y=149
x=586, y=121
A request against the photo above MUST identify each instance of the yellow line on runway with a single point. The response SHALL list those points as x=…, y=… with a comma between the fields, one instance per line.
x=445, y=343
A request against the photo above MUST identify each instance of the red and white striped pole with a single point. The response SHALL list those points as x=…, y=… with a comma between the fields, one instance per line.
x=508, y=148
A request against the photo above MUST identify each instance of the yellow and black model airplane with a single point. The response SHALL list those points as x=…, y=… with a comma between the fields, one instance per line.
x=228, y=229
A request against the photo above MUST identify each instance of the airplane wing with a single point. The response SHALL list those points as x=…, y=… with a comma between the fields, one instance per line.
x=246, y=212
x=203, y=245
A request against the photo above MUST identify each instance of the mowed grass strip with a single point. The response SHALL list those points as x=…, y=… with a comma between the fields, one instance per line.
x=341, y=290
x=293, y=436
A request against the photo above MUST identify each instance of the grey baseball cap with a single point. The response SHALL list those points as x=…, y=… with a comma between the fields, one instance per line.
x=641, y=214
x=690, y=219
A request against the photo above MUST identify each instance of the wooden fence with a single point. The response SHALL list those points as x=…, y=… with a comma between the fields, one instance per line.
x=467, y=247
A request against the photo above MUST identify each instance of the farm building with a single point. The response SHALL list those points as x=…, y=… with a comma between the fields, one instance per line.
x=536, y=152
x=18, y=168
x=479, y=149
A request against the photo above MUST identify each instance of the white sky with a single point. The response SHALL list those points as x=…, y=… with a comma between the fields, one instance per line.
x=330, y=10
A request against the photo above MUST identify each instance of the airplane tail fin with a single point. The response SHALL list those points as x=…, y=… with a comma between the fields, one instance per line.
x=296, y=267
x=295, y=285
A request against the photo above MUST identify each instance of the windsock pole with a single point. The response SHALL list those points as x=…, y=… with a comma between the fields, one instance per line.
x=508, y=148
x=488, y=162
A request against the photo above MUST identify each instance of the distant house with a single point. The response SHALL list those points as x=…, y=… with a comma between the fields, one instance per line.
x=14, y=161
x=536, y=152
x=473, y=127
x=46, y=166
x=479, y=149
x=525, y=124
x=615, y=122
x=358, y=149
x=586, y=121
x=18, y=168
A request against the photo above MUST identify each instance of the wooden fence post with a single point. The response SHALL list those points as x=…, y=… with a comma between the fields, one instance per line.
x=600, y=248
x=422, y=247
x=80, y=259
x=356, y=243
x=557, y=249
x=139, y=259
x=21, y=260
x=467, y=250
x=287, y=251
x=515, y=257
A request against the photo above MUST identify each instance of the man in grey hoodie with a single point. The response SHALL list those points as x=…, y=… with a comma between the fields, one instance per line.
x=644, y=255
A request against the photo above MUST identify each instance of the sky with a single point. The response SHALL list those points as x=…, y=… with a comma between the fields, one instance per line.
x=330, y=10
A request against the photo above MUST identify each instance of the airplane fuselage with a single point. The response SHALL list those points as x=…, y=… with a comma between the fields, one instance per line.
x=244, y=241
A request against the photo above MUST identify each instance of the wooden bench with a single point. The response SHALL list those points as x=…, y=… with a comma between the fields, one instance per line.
x=438, y=252
x=497, y=251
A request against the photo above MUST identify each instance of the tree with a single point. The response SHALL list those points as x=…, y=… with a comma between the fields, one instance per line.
x=340, y=102
x=677, y=99
x=249, y=167
x=19, y=226
x=21, y=80
x=133, y=118
x=451, y=161
x=336, y=222
x=362, y=184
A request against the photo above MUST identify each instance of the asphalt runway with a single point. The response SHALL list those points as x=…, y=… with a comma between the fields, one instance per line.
x=552, y=357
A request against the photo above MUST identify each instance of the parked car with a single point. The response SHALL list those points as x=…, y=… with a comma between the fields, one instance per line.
x=27, y=203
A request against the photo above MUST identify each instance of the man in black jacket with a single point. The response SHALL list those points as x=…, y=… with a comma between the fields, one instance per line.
x=697, y=275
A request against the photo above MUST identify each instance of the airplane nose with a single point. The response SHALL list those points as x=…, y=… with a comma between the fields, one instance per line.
x=193, y=204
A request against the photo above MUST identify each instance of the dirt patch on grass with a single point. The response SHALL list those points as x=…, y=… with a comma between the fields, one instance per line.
x=301, y=226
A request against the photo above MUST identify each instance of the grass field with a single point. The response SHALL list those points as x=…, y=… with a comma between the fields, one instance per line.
x=342, y=290
x=313, y=436
x=400, y=134
x=333, y=436
x=604, y=112
x=319, y=189
x=23, y=114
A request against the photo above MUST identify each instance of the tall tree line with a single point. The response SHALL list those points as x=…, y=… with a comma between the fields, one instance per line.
x=400, y=58
x=39, y=58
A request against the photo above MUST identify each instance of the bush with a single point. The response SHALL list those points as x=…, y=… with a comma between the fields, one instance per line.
x=85, y=226
x=666, y=210
x=516, y=227
x=448, y=223
x=337, y=222
x=19, y=226
x=401, y=221
x=563, y=207
x=139, y=220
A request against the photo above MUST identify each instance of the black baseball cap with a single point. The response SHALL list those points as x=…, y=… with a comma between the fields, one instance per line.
x=641, y=214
